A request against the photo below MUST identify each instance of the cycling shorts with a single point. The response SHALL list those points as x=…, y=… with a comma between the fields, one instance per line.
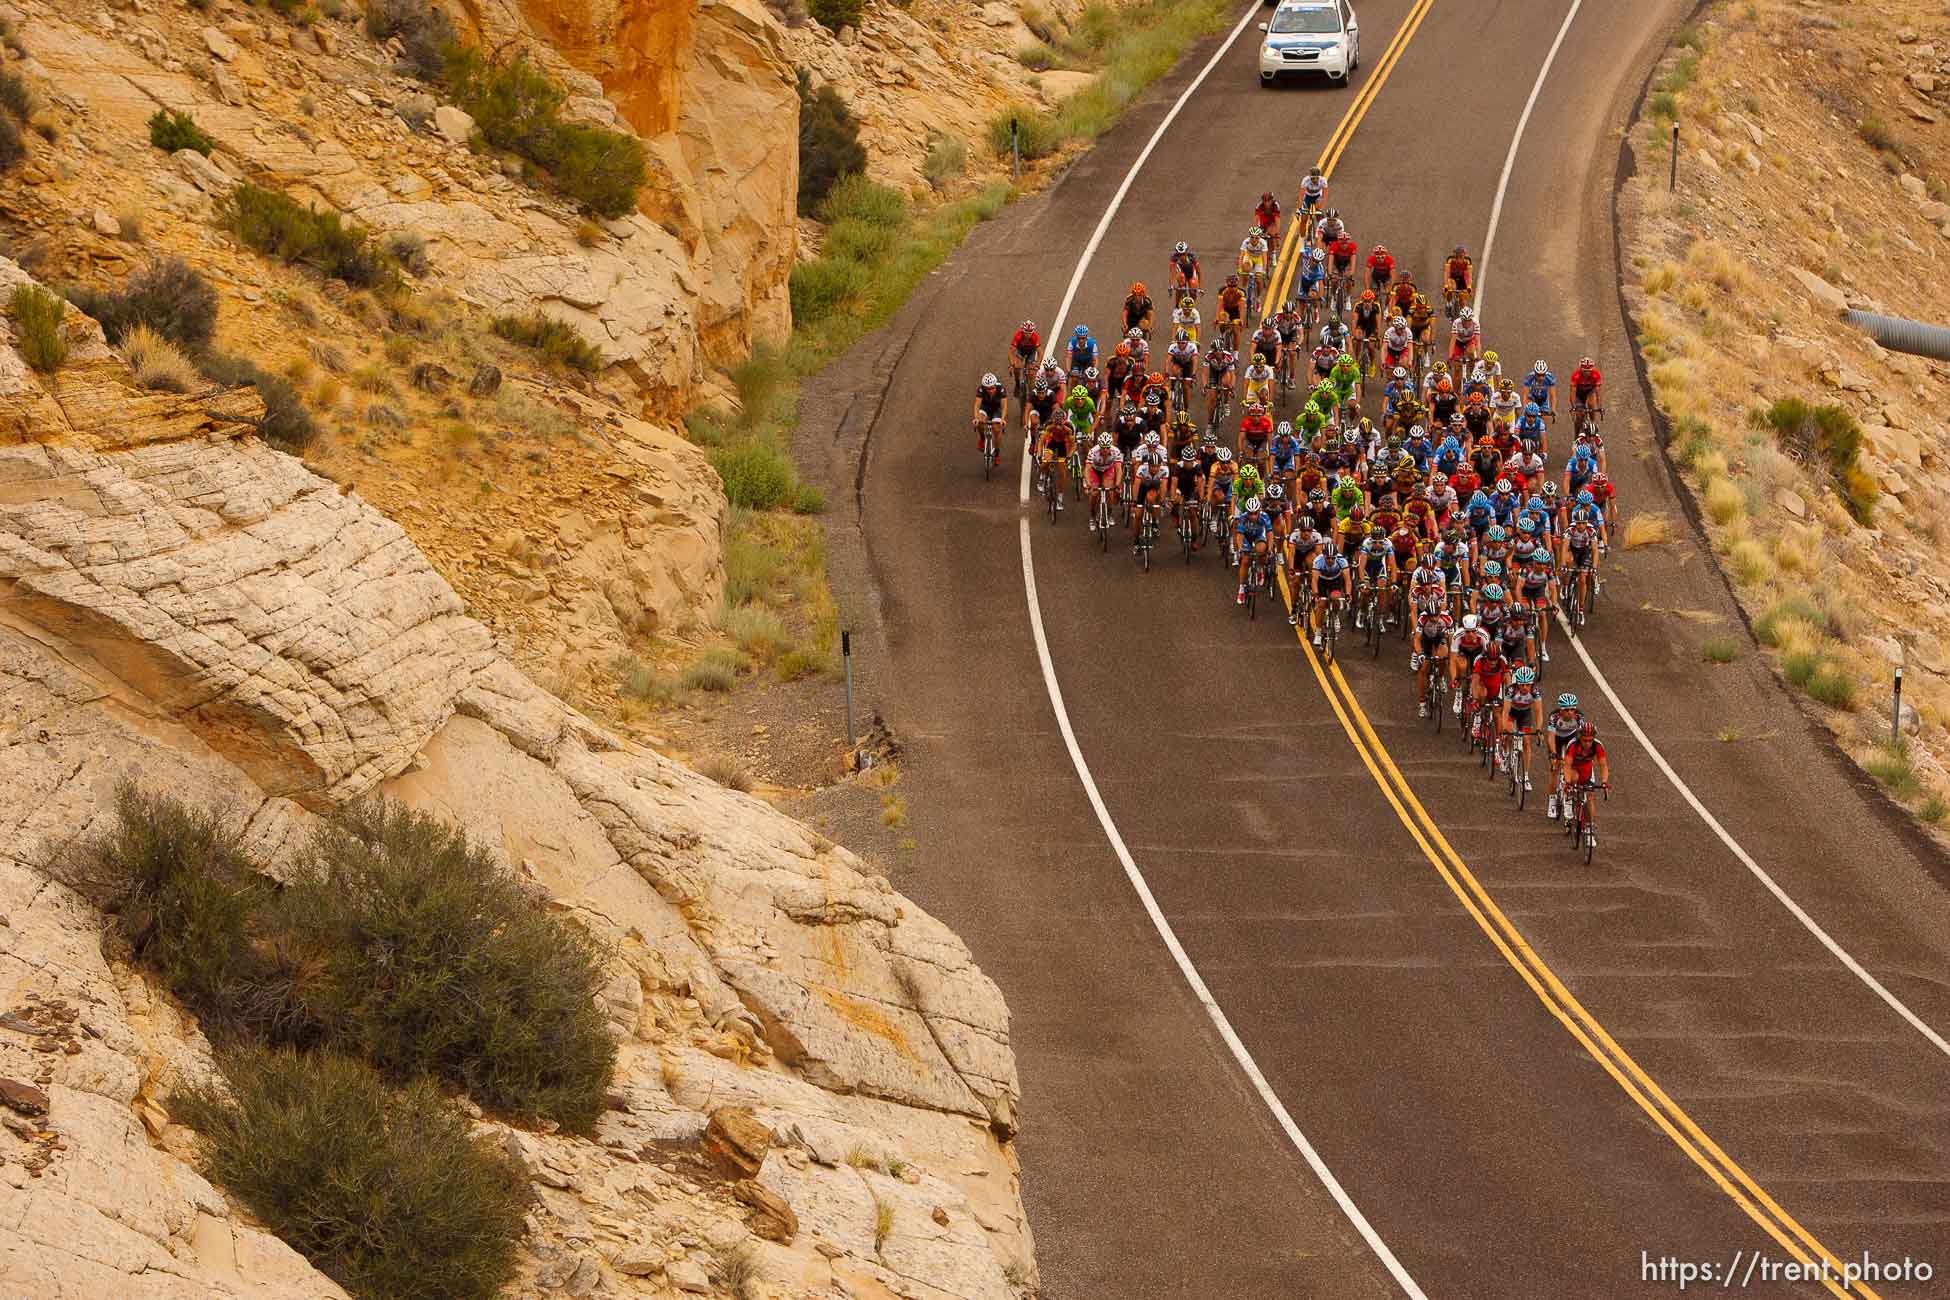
x=1094, y=477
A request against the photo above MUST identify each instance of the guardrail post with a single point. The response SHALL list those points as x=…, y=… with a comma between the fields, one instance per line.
x=846, y=656
x=1896, y=706
x=1673, y=182
x=1015, y=149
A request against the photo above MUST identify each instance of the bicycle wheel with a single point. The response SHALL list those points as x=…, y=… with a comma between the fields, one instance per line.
x=1589, y=834
x=1103, y=520
x=988, y=455
x=1520, y=770
x=1052, y=491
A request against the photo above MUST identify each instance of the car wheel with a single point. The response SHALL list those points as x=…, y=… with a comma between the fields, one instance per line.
x=1265, y=80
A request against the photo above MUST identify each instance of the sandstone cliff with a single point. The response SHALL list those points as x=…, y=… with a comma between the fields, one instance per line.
x=186, y=607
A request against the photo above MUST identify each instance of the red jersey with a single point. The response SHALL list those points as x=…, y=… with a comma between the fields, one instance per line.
x=1585, y=377
x=1268, y=215
x=1581, y=759
x=1027, y=341
x=1382, y=262
x=1343, y=249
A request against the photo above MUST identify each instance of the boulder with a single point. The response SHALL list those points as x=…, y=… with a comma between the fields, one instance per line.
x=455, y=125
x=735, y=1142
x=771, y=1218
x=222, y=47
x=1824, y=293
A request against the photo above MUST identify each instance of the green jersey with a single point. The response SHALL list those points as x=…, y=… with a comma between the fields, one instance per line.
x=1313, y=419
x=1347, y=496
x=1343, y=377
x=1083, y=411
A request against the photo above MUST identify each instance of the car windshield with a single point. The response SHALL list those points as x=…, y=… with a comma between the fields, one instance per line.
x=1315, y=21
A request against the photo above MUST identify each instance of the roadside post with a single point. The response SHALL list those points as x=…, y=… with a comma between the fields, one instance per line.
x=1673, y=183
x=1015, y=149
x=1896, y=704
x=846, y=656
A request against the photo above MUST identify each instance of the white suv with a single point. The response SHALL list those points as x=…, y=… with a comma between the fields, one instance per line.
x=1319, y=36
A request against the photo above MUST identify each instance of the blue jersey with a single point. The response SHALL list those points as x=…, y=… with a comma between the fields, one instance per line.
x=1531, y=427
x=1286, y=450
x=1083, y=355
x=1253, y=527
x=1538, y=387
x=1311, y=274
x=1329, y=565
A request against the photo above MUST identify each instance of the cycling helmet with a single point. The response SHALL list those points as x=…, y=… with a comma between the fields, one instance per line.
x=1467, y=313
x=1550, y=490
x=1189, y=453
x=1496, y=530
x=1503, y=487
x=1187, y=302
x=1491, y=569
x=1151, y=439
x=1526, y=675
x=1042, y=387
x=1183, y=336
x=1266, y=196
x=1123, y=349
x=1182, y=247
x=1313, y=173
x=1398, y=374
x=1254, y=232
x=1134, y=334
x=1586, y=361
x=1398, y=322
x=1530, y=408
x=1367, y=295
x=1079, y=391
x=1599, y=479
x=1344, y=360
x=1317, y=255
x=1587, y=733
x=1456, y=420
x=1489, y=356
x=1540, y=556
x=1137, y=288
x=1471, y=622
x=1351, y=439
x=1259, y=359
x=1210, y=439
x=1274, y=492
x=1285, y=430
x=1080, y=332
x=1538, y=367
x=1224, y=455
x=1252, y=505
x=1585, y=498
x=1317, y=497
x=1090, y=373
x=1492, y=591
x=1333, y=214
x=1567, y=701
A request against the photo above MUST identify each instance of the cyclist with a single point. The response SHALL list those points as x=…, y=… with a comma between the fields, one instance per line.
x=1219, y=480
x=1581, y=542
x=1421, y=320
x=1184, y=271
x=1127, y=425
x=1024, y=344
x=1432, y=628
x=1253, y=253
x=991, y=404
x=1401, y=295
x=1395, y=345
x=1540, y=387
x=1140, y=341
x=1255, y=430
x=1138, y=308
x=1345, y=376
x=1265, y=342
x=1248, y=482
x=1187, y=476
x=1259, y=383
x=1520, y=708
x=1181, y=362
x=1330, y=229
x=1313, y=278
x=1375, y=563
x=1053, y=452
x=1184, y=318
x=1465, y=336
x=1103, y=472
x=1467, y=643
x=1381, y=269
x=1184, y=431
x=1082, y=408
x=1230, y=312
x=1329, y=577
x=1343, y=250
x=1584, y=754
x=1313, y=422
x=1313, y=194
x=1283, y=454
x=1585, y=383
x=1347, y=499
x=1040, y=405
x=1367, y=323
x=1292, y=336
x=1531, y=429
x=1220, y=361
x=1150, y=470
x=1254, y=529
x=1083, y=352
x=1121, y=372
x=1566, y=720
x=1505, y=403
x=1267, y=217
x=1458, y=279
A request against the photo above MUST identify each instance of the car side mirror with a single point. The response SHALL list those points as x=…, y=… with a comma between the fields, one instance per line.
x=1262, y=27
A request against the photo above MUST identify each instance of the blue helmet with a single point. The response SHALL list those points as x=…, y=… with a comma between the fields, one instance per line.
x=1480, y=500
x=1496, y=533
x=1493, y=591
x=1080, y=333
x=1567, y=701
x=1585, y=498
x=1540, y=556
x=1491, y=569
x=1531, y=408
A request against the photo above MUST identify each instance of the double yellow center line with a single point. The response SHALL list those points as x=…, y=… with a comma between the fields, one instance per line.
x=1668, y=1115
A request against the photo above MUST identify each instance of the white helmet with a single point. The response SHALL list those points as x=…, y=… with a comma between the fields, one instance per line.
x=1182, y=247
x=1471, y=622
x=1224, y=454
x=1151, y=439
x=989, y=380
x=1539, y=368
x=1104, y=440
x=1252, y=505
x=1467, y=313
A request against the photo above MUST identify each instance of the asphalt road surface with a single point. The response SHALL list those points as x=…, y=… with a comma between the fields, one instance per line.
x=1483, y=1140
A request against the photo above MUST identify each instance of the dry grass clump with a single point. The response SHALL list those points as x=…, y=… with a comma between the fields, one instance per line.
x=1646, y=529
x=158, y=363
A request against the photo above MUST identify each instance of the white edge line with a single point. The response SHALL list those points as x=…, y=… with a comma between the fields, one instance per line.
x=1773, y=887
x=1510, y=159
x=1178, y=954
x=1185, y=967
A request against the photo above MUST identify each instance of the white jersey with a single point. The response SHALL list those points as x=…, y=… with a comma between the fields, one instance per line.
x=1398, y=338
x=1102, y=458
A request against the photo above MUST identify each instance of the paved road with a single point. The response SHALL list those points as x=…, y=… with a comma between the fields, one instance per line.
x=1487, y=1147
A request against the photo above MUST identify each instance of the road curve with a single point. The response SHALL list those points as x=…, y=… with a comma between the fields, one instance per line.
x=1490, y=1152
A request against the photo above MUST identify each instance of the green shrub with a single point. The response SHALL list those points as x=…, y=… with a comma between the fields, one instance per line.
x=422, y=954
x=1040, y=135
x=602, y=170
x=796, y=664
x=859, y=241
x=835, y=14
x=856, y=198
x=828, y=286
x=751, y=568
x=274, y=223
x=37, y=316
x=389, y=1194
x=1795, y=608
x=1832, y=433
x=947, y=158
x=1720, y=650
x=170, y=131
x=1038, y=57
x=1876, y=133
x=167, y=296
x=640, y=681
x=829, y=142
x=557, y=340
x=1800, y=667
x=424, y=30
x=1933, y=809
x=286, y=422
x=808, y=500
x=1664, y=105
x=1891, y=766
x=716, y=670
x=1832, y=686
x=409, y=249
x=179, y=889
x=13, y=149
x=758, y=631
x=518, y=108
x=757, y=476
x=16, y=97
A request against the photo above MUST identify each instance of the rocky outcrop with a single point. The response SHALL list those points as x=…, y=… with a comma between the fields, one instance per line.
x=192, y=610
